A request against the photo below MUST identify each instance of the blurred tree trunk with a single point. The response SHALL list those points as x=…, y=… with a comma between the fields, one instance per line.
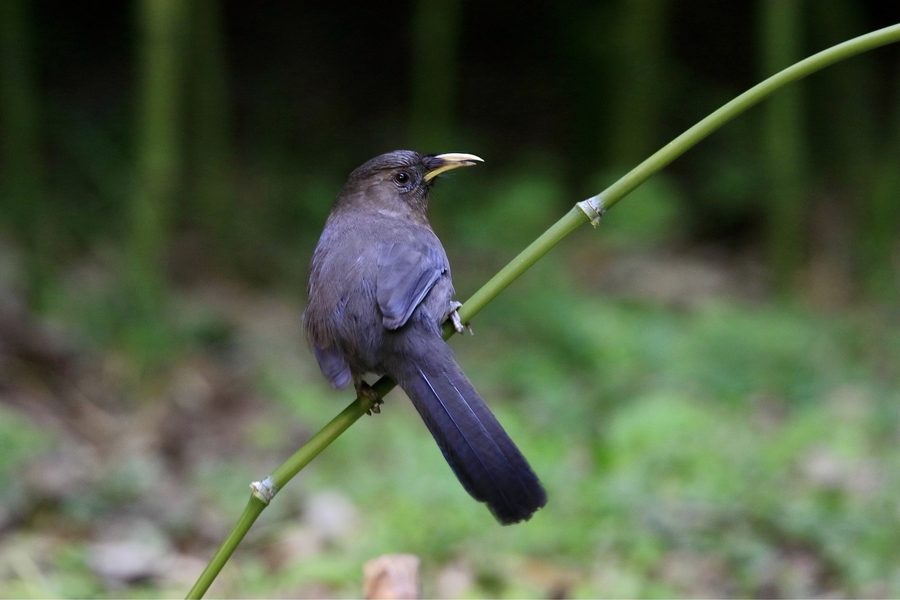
x=639, y=51
x=586, y=68
x=842, y=101
x=210, y=144
x=784, y=153
x=870, y=153
x=846, y=95
x=158, y=151
x=880, y=232
x=23, y=190
x=435, y=37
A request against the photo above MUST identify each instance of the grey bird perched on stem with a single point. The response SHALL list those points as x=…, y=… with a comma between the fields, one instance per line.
x=379, y=290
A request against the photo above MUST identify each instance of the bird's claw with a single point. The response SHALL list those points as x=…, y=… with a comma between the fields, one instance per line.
x=364, y=390
x=458, y=325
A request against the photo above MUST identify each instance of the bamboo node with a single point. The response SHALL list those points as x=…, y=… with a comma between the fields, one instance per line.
x=264, y=490
x=593, y=208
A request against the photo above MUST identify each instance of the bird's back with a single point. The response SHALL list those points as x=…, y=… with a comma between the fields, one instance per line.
x=343, y=310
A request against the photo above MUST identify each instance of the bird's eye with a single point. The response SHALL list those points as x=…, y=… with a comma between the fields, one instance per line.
x=401, y=177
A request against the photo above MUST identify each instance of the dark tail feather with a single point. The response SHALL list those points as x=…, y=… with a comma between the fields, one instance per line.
x=479, y=451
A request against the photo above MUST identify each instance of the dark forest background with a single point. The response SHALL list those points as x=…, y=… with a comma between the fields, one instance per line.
x=708, y=383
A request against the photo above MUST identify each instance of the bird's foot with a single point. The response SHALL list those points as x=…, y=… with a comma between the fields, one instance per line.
x=456, y=321
x=364, y=390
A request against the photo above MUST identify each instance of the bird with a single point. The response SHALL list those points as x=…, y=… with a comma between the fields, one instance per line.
x=379, y=292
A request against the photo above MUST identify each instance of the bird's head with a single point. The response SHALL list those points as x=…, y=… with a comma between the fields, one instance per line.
x=399, y=180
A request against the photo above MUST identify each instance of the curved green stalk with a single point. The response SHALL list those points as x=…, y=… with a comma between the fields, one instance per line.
x=253, y=509
x=588, y=211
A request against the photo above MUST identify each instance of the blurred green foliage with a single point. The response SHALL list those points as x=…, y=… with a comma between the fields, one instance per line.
x=720, y=449
x=19, y=439
x=714, y=444
x=733, y=434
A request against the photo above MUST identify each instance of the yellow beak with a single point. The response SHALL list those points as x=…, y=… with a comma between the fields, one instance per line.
x=446, y=162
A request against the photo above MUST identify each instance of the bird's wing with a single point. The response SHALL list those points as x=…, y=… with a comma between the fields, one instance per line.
x=406, y=273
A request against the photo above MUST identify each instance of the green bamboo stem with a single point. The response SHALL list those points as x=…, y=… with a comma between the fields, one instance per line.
x=279, y=477
x=157, y=154
x=782, y=138
x=435, y=38
x=21, y=167
x=253, y=509
x=581, y=213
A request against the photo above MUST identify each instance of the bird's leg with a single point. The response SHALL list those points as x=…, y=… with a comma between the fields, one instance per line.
x=453, y=315
x=364, y=390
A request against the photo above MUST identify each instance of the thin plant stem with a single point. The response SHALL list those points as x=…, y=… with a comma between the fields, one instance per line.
x=253, y=509
x=587, y=211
